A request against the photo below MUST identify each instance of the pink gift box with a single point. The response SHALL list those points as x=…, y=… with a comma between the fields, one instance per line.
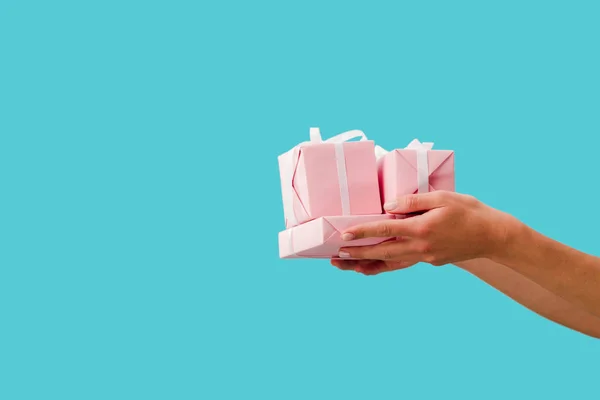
x=332, y=177
x=415, y=170
x=321, y=238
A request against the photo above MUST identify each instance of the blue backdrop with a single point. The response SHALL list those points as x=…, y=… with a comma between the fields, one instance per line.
x=140, y=198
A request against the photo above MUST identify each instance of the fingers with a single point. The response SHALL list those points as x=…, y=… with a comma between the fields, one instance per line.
x=387, y=251
x=410, y=227
x=353, y=265
x=377, y=267
x=418, y=202
x=370, y=267
x=346, y=264
x=383, y=229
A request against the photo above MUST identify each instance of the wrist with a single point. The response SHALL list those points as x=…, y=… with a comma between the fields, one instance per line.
x=511, y=237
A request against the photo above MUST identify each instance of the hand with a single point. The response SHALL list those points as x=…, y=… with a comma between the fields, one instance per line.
x=370, y=267
x=453, y=227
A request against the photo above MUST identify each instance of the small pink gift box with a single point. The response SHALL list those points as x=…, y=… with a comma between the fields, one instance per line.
x=332, y=177
x=321, y=238
x=414, y=169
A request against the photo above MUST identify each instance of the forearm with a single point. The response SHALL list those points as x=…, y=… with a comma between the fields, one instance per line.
x=562, y=270
x=533, y=296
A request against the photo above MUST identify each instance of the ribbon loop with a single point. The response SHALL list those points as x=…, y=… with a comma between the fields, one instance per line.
x=315, y=135
x=416, y=145
x=344, y=137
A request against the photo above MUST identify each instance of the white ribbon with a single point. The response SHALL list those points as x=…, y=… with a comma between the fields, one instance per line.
x=340, y=160
x=289, y=160
x=422, y=162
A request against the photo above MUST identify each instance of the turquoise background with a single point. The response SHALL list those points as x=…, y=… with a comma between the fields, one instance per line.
x=140, y=198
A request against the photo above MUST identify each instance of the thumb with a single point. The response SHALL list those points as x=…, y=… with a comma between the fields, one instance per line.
x=414, y=203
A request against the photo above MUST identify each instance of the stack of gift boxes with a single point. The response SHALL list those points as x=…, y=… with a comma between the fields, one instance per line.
x=331, y=185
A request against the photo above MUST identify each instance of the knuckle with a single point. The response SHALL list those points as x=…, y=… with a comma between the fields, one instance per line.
x=423, y=230
x=384, y=230
x=357, y=253
x=358, y=234
x=444, y=196
x=386, y=255
x=423, y=248
x=411, y=202
x=430, y=259
x=440, y=194
x=470, y=200
x=438, y=261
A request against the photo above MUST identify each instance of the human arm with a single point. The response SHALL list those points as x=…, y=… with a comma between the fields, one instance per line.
x=533, y=296
x=455, y=228
x=565, y=271
x=505, y=280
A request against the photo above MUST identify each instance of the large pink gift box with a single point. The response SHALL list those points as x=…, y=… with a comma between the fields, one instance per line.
x=415, y=169
x=321, y=238
x=332, y=177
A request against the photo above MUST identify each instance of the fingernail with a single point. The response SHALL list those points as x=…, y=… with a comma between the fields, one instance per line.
x=390, y=206
x=347, y=236
x=343, y=254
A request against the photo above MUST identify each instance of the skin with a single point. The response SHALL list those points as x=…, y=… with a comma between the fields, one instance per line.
x=554, y=280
